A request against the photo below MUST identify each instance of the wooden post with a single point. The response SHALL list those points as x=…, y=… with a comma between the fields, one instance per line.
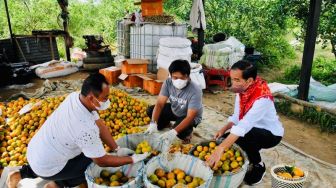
x=64, y=15
x=309, y=48
x=9, y=22
x=200, y=36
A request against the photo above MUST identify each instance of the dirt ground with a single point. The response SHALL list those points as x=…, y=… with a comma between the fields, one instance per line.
x=302, y=135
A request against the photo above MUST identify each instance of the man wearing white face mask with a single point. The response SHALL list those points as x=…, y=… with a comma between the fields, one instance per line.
x=254, y=124
x=185, y=107
x=71, y=139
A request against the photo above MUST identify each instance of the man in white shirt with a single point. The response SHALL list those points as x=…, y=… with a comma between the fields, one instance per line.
x=254, y=124
x=71, y=138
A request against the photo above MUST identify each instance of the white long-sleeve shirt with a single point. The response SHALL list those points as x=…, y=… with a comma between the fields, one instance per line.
x=262, y=115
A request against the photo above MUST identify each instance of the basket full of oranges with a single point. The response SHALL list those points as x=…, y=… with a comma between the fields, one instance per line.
x=284, y=176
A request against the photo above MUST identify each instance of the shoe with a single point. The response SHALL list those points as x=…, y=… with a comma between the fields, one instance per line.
x=255, y=175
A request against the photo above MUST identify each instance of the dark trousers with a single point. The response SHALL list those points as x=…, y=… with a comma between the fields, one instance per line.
x=167, y=116
x=71, y=175
x=255, y=140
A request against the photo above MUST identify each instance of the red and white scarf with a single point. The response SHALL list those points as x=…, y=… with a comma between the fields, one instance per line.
x=259, y=89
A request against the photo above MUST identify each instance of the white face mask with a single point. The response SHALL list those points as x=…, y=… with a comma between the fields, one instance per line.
x=179, y=83
x=103, y=105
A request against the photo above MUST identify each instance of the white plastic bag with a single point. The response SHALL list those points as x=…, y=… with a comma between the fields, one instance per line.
x=197, y=76
x=320, y=92
x=165, y=61
x=55, y=68
x=170, y=51
x=131, y=170
x=175, y=42
x=189, y=164
x=132, y=140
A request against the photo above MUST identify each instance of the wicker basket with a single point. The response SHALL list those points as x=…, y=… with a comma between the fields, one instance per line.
x=281, y=182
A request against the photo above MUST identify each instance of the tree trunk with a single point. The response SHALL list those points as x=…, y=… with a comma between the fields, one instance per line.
x=333, y=47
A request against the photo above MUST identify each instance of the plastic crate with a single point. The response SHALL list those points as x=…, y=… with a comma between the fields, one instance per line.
x=123, y=37
x=144, y=39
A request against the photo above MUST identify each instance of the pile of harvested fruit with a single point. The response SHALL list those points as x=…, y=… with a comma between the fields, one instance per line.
x=291, y=172
x=21, y=128
x=231, y=161
x=108, y=178
x=176, y=177
x=182, y=148
x=126, y=115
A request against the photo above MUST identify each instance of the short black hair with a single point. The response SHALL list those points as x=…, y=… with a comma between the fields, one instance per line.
x=93, y=83
x=218, y=37
x=181, y=66
x=248, y=68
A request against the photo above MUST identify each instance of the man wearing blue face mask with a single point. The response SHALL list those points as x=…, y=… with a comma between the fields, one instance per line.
x=71, y=138
x=185, y=107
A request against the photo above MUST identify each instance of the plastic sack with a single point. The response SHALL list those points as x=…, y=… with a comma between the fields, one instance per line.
x=189, y=164
x=165, y=61
x=197, y=76
x=233, y=180
x=222, y=55
x=131, y=170
x=132, y=140
x=175, y=42
x=320, y=92
x=78, y=55
x=55, y=68
x=168, y=51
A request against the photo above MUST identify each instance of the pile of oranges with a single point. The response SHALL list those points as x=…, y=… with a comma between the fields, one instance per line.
x=231, y=161
x=20, y=129
x=126, y=115
x=291, y=172
x=175, y=178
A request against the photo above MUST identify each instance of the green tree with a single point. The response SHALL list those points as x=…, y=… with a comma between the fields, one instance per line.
x=299, y=9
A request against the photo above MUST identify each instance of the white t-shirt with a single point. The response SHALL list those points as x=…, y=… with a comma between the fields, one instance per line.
x=69, y=131
x=262, y=115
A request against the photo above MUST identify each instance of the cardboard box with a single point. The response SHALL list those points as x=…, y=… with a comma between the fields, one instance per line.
x=134, y=66
x=151, y=7
x=151, y=84
x=162, y=74
x=111, y=74
x=131, y=81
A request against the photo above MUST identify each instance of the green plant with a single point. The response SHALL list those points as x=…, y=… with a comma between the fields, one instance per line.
x=325, y=120
x=323, y=70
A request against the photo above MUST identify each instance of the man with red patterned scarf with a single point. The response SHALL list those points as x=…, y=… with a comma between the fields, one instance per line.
x=254, y=124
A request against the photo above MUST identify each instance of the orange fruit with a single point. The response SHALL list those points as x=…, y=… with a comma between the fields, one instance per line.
x=171, y=175
x=286, y=175
x=298, y=172
x=199, y=148
x=180, y=175
x=160, y=172
x=212, y=144
x=205, y=148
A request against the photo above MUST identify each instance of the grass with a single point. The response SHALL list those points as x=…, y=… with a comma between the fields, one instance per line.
x=276, y=73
